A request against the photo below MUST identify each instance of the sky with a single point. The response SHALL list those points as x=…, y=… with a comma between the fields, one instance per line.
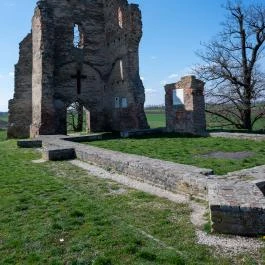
x=173, y=30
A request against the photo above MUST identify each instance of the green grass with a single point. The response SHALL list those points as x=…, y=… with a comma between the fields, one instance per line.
x=156, y=120
x=2, y=135
x=156, y=117
x=54, y=213
x=188, y=150
x=259, y=125
x=4, y=117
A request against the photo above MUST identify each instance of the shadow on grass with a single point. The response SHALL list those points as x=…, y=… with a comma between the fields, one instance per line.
x=165, y=135
x=237, y=131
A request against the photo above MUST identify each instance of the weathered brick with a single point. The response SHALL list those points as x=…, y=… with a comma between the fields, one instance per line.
x=105, y=59
x=188, y=117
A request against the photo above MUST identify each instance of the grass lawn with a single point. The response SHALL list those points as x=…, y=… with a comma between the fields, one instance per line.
x=156, y=120
x=54, y=213
x=260, y=125
x=188, y=150
x=2, y=136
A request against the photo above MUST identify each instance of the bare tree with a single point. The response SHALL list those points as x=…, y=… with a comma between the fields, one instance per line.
x=75, y=117
x=232, y=66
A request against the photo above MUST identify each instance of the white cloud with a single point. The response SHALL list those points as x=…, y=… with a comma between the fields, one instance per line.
x=7, y=75
x=186, y=71
x=163, y=82
x=4, y=101
x=142, y=78
x=9, y=4
x=173, y=76
x=150, y=91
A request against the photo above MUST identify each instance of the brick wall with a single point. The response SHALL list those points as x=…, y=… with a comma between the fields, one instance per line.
x=187, y=115
x=110, y=86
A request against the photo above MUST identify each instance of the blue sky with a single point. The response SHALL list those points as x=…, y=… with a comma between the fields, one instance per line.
x=173, y=31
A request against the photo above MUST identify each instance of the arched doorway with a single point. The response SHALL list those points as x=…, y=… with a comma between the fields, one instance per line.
x=78, y=119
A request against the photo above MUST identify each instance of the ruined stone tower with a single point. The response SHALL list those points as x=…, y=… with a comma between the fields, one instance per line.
x=82, y=51
x=185, y=106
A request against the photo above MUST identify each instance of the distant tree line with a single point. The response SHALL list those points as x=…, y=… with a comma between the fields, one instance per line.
x=155, y=107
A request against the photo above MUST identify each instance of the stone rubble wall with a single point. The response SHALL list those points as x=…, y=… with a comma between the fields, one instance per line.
x=167, y=175
x=108, y=60
x=247, y=136
x=188, y=117
x=43, y=111
x=20, y=107
x=236, y=201
x=237, y=208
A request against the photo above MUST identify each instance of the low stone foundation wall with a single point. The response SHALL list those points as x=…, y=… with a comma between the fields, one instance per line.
x=29, y=143
x=244, y=221
x=237, y=209
x=58, y=154
x=236, y=201
x=247, y=136
x=261, y=186
x=166, y=175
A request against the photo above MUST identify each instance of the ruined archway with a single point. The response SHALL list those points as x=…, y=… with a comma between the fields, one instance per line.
x=77, y=119
x=80, y=51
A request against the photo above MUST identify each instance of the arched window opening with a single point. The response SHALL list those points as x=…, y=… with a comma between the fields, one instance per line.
x=121, y=70
x=120, y=18
x=78, y=37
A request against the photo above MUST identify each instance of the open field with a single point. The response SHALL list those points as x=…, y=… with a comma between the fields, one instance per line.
x=214, y=123
x=190, y=150
x=156, y=118
x=55, y=213
x=3, y=120
x=3, y=116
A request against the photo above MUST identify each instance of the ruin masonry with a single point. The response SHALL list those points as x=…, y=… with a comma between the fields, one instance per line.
x=185, y=106
x=79, y=51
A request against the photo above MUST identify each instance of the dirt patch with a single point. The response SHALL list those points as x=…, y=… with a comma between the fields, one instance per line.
x=229, y=155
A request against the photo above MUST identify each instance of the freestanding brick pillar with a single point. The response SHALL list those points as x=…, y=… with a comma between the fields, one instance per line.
x=185, y=106
x=79, y=51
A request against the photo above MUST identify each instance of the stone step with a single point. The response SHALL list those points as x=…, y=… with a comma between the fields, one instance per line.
x=58, y=154
x=29, y=143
